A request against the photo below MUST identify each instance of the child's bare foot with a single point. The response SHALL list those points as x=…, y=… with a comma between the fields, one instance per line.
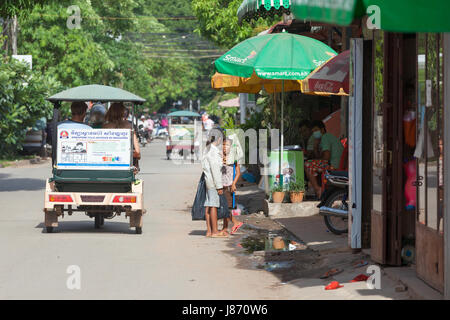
x=208, y=234
x=218, y=235
x=224, y=232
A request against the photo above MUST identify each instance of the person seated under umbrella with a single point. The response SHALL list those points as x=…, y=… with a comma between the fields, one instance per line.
x=326, y=155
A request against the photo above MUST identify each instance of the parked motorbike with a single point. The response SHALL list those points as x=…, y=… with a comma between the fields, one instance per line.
x=334, y=202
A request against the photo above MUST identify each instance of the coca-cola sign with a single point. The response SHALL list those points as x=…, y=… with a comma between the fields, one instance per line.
x=324, y=86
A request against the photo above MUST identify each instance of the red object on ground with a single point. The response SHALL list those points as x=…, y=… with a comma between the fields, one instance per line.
x=360, y=277
x=333, y=285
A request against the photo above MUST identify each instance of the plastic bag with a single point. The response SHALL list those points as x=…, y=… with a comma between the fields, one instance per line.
x=198, y=208
x=223, y=211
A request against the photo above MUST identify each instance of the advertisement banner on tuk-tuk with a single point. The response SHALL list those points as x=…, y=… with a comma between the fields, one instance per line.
x=94, y=149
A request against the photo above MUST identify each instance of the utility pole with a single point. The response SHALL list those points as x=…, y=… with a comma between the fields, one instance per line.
x=190, y=105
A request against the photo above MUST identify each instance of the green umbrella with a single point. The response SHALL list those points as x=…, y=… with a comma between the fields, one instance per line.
x=279, y=56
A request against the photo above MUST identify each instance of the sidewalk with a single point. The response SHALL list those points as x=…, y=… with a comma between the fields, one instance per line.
x=333, y=252
x=313, y=231
x=417, y=289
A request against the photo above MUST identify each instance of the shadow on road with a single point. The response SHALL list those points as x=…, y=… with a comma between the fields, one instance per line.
x=197, y=233
x=88, y=227
x=22, y=185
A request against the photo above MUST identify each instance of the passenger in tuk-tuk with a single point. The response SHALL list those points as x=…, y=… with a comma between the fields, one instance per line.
x=78, y=109
x=97, y=116
x=116, y=119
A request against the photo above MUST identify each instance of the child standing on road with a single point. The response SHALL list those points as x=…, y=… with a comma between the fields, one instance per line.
x=231, y=172
x=212, y=164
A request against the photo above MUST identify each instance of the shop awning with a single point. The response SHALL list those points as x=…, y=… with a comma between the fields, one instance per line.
x=339, y=12
x=253, y=9
x=395, y=16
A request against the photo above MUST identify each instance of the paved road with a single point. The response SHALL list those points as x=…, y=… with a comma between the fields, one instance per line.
x=170, y=260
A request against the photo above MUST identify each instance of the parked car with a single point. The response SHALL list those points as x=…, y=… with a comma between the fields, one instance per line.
x=36, y=138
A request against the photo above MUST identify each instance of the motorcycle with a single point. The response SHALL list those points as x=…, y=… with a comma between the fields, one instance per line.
x=160, y=132
x=142, y=135
x=334, y=202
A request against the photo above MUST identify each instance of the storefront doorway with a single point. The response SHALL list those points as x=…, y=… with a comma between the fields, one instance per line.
x=407, y=153
x=386, y=235
x=430, y=180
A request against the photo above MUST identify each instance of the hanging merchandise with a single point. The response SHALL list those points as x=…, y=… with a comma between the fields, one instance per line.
x=409, y=128
x=410, y=187
x=420, y=147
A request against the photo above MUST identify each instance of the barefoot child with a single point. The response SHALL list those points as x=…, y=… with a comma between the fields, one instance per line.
x=230, y=175
x=212, y=164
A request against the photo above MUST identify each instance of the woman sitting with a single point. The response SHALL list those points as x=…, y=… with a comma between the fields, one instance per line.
x=115, y=119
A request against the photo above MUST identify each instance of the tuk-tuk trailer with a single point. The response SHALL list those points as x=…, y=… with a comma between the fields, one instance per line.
x=183, y=136
x=92, y=169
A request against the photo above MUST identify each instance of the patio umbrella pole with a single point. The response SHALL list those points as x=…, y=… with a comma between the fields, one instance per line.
x=282, y=132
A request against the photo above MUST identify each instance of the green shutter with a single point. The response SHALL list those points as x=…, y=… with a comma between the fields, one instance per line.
x=254, y=9
x=396, y=15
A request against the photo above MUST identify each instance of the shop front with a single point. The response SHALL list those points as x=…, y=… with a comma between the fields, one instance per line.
x=407, y=201
x=404, y=91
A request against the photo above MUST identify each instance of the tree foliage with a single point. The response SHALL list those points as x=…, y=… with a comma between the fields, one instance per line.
x=10, y=8
x=22, y=102
x=218, y=22
x=101, y=50
x=116, y=44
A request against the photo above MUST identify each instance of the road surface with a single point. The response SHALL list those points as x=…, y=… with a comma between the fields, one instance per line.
x=171, y=259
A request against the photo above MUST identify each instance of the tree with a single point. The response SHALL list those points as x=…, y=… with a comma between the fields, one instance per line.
x=72, y=56
x=104, y=51
x=218, y=22
x=9, y=10
x=22, y=102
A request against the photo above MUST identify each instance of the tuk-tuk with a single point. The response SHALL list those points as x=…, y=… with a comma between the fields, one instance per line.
x=92, y=169
x=184, y=132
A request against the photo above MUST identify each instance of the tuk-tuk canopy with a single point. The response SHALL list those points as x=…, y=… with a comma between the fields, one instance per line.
x=184, y=113
x=96, y=92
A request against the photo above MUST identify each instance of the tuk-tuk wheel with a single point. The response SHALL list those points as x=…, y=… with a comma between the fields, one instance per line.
x=49, y=229
x=138, y=230
x=99, y=221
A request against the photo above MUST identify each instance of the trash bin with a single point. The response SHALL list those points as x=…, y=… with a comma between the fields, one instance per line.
x=292, y=166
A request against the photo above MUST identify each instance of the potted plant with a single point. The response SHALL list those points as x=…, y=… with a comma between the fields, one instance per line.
x=278, y=194
x=296, y=191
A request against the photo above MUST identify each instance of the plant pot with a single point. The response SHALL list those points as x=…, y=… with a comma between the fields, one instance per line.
x=296, y=197
x=278, y=197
